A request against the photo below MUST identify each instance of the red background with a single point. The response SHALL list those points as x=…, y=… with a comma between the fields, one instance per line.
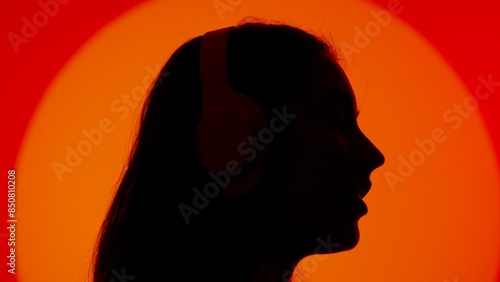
x=464, y=32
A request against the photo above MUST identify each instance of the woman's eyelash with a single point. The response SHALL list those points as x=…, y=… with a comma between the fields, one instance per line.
x=340, y=118
x=333, y=118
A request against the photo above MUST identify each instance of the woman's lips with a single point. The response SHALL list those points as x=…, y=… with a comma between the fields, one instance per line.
x=364, y=189
x=362, y=207
x=354, y=204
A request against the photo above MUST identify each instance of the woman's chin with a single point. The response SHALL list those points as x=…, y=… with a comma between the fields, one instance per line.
x=344, y=238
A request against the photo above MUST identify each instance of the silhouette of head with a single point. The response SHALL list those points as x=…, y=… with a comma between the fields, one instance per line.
x=308, y=169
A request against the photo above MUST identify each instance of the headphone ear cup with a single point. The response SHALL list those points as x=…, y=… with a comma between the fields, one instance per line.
x=223, y=136
x=248, y=178
x=227, y=135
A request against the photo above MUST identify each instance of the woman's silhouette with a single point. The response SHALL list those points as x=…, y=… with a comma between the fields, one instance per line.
x=298, y=193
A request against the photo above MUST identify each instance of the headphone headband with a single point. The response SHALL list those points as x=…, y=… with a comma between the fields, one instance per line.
x=213, y=58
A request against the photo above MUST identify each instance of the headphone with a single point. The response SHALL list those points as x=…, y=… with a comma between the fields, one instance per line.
x=228, y=119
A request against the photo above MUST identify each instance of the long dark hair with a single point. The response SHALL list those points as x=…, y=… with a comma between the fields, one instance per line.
x=143, y=236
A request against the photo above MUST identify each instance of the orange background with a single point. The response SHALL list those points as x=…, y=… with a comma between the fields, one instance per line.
x=438, y=222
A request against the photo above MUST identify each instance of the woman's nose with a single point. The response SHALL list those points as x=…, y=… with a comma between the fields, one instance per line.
x=369, y=155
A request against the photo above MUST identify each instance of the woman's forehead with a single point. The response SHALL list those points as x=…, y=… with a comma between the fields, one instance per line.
x=332, y=75
x=330, y=80
x=329, y=85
